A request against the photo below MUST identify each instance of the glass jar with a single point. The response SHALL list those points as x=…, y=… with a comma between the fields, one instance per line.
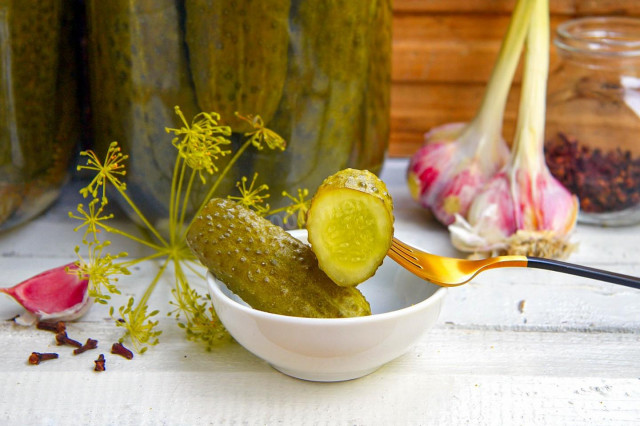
x=318, y=73
x=593, y=117
x=38, y=106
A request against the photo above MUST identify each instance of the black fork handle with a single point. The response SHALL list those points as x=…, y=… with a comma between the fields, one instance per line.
x=583, y=271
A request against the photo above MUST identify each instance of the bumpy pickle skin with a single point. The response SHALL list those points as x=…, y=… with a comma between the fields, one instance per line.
x=139, y=73
x=268, y=268
x=322, y=111
x=238, y=56
x=350, y=224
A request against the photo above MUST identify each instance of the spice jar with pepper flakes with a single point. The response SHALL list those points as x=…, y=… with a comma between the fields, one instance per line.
x=593, y=117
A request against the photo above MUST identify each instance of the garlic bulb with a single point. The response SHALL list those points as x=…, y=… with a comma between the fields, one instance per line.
x=523, y=209
x=457, y=159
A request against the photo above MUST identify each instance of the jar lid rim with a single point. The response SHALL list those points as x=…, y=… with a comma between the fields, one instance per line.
x=600, y=35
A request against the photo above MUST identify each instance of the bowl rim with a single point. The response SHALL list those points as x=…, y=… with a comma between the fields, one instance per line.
x=214, y=287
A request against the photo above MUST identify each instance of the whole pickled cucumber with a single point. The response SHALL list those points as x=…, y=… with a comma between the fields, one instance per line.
x=350, y=224
x=321, y=113
x=264, y=265
x=139, y=73
x=30, y=54
x=369, y=149
x=238, y=56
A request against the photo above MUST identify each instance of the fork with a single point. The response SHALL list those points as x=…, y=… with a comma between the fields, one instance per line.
x=451, y=272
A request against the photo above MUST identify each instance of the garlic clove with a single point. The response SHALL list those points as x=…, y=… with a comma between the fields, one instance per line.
x=56, y=294
x=447, y=172
x=518, y=213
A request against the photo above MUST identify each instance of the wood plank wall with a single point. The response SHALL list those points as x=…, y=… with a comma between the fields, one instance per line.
x=443, y=53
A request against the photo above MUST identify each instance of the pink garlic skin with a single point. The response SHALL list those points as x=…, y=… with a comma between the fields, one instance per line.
x=56, y=294
x=428, y=172
x=531, y=202
x=446, y=173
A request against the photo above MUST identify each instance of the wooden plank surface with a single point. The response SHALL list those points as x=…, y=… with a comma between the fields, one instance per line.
x=443, y=53
x=513, y=347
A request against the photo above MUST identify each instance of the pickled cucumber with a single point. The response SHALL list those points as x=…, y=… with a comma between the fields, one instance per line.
x=139, y=73
x=238, y=56
x=369, y=150
x=30, y=44
x=268, y=268
x=350, y=224
x=322, y=111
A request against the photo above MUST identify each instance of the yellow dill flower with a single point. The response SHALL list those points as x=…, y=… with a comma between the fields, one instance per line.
x=100, y=269
x=200, y=144
x=138, y=326
x=252, y=197
x=299, y=207
x=90, y=218
x=107, y=171
x=262, y=135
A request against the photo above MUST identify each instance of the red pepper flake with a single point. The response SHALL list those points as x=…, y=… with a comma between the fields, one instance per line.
x=100, y=363
x=90, y=344
x=604, y=181
x=36, y=357
x=63, y=339
x=119, y=349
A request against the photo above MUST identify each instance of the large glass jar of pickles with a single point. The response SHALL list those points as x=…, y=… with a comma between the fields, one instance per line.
x=593, y=117
x=38, y=106
x=318, y=73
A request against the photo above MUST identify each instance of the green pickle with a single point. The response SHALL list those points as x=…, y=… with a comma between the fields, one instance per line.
x=139, y=74
x=350, y=224
x=324, y=110
x=268, y=268
x=317, y=72
x=238, y=55
x=39, y=124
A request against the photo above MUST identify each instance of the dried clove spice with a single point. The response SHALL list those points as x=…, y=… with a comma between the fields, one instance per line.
x=56, y=327
x=63, y=339
x=90, y=344
x=119, y=349
x=100, y=363
x=604, y=181
x=36, y=357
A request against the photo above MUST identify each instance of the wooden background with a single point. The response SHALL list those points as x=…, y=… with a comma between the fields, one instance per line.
x=443, y=53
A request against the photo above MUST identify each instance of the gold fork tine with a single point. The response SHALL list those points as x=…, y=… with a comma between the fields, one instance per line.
x=403, y=249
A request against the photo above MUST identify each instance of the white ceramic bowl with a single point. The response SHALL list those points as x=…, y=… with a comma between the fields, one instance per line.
x=334, y=349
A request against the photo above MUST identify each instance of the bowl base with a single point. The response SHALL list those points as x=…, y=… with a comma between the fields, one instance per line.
x=319, y=376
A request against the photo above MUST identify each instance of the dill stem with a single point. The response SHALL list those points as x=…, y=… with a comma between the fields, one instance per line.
x=147, y=293
x=137, y=260
x=214, y=187
x=137, y=211
x=192, y=267
x=131, y=237
x=175, y=208
x=183, y=212
x=174, y=193
x=278, y=210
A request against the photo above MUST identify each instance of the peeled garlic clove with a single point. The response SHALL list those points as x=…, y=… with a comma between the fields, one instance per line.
x=56, y=294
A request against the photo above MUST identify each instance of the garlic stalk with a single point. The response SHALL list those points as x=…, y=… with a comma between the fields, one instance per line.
x=457, y=159
x=523, y=209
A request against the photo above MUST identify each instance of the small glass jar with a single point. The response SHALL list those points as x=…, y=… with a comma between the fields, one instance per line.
x=593, y=117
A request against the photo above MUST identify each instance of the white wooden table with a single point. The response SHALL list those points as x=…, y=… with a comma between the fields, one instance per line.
x=512, y=347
